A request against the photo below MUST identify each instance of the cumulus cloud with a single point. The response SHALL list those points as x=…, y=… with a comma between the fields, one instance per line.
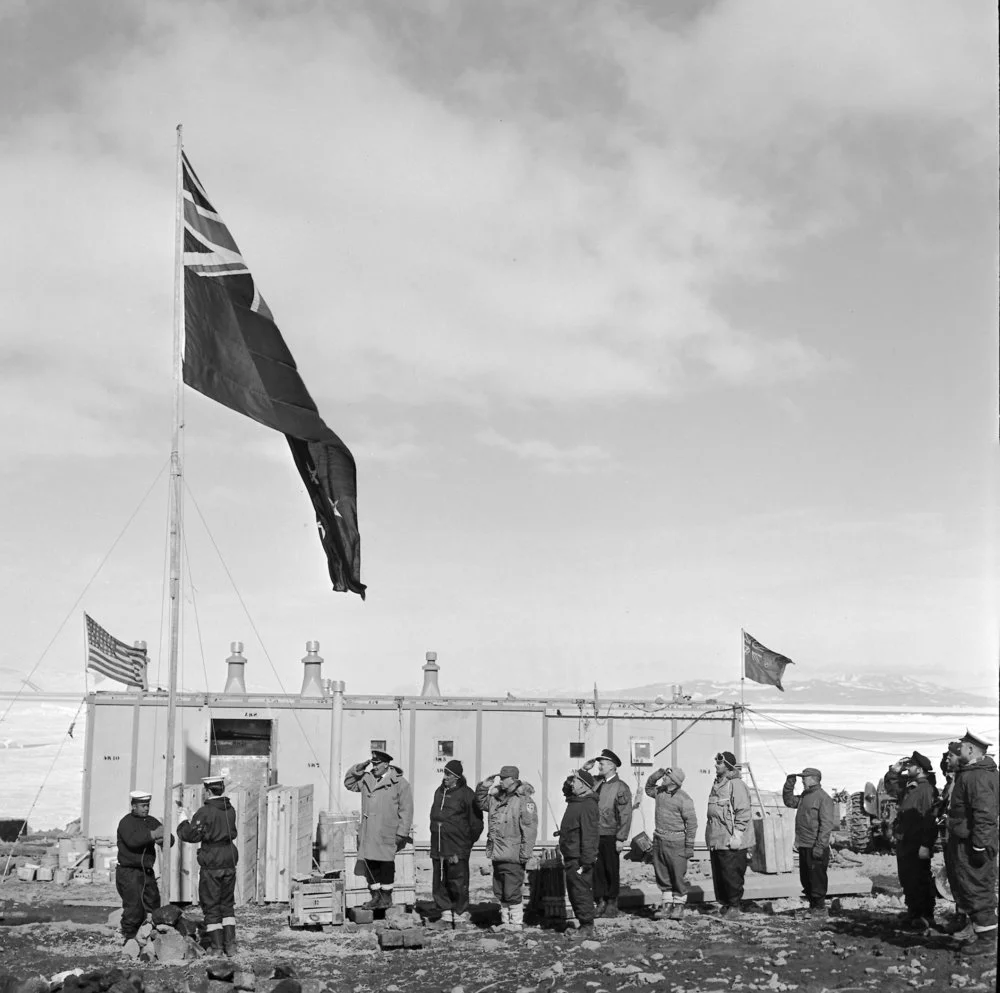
x=546, y=455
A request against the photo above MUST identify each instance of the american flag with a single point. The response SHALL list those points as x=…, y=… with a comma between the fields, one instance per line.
x=113, y=658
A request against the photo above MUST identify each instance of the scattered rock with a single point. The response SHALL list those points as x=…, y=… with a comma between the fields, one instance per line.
x=115, y=918
x=172, y=948
x=167, y=914
x=490, y=944
x=591, y=946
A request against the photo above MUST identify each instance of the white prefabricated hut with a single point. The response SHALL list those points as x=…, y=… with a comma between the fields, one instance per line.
x=313, y=737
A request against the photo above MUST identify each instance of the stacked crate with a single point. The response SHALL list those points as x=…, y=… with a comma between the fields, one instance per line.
x=774, y=833
x=547, y=890
x=316, y=901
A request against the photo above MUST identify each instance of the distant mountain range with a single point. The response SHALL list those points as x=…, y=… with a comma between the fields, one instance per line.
x=874, y=690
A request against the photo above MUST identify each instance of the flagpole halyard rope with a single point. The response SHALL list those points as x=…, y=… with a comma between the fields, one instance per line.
x=83, y=593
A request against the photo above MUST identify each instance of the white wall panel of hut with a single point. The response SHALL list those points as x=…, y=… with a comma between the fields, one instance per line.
x=312, y=738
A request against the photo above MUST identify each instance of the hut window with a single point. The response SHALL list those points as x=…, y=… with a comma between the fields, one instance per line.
x=446, y=749
x=378, y=745
x=576, y=749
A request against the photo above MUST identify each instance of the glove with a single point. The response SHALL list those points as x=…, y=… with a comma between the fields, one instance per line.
x=978, y=858
x=790, y=778
x=453, y=859
x=733, y=843
x=818, y=851
x=182, y=816
x=619, y=846
x=659, y=774
x=401, y=841
x=157, y=833
x=923, y=852
x=361, y=766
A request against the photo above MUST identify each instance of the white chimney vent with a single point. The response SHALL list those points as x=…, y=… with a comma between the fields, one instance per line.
x=312, y=676
x=431, y=670
x=236, y=662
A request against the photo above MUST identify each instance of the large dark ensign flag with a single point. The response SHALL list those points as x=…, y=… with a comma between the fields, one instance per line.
x=761, y=664
x=234, y=353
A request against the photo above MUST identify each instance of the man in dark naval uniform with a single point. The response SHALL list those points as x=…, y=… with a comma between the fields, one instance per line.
x=138, y=836
x=214, y=827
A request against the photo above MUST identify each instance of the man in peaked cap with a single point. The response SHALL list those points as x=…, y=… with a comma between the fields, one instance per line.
x=950, y=764
x=912, y=782
x=814, y=821
x=213, y=829
x=673, y=840
x=138, y=836
x=456, y=824
x=510, y=838
x=973, y=842
x=614, y=802
x=386, y=823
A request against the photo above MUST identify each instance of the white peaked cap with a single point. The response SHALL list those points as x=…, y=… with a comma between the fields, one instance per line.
x=137, y=795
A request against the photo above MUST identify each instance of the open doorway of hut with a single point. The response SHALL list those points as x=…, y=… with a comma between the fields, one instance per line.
x=244, y=752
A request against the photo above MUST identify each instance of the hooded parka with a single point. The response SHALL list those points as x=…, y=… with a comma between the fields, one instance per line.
x=513, y=821
x=456, y=821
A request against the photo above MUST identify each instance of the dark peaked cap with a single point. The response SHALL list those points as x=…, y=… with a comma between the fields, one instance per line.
x=922, y=760
x=606, y=753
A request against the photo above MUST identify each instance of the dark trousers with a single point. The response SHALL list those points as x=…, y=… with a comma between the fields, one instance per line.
x=450, y=888
x=670, y=865
x=918, y=884
x=607, y=869
x=508, y=882
x=377, y=872
x=729, y=866
x=813, y=875
x=975, y=886
x=140, y=896
x=216, y=894
x=580, y=890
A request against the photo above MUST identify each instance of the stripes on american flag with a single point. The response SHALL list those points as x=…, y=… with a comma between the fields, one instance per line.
x=113, y=658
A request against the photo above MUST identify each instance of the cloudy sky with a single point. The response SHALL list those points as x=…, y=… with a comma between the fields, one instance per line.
x=645, y=323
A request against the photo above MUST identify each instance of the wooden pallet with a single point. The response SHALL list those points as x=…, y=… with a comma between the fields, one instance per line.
x=316, y=902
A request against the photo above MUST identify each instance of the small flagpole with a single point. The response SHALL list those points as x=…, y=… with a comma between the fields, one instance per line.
x=176, y=494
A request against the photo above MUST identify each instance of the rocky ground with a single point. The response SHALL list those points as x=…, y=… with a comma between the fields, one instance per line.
x=777, y=947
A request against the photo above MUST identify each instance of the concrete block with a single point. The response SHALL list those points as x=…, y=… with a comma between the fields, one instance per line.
x=413, y=937
x=390, y=939
x=360, y=916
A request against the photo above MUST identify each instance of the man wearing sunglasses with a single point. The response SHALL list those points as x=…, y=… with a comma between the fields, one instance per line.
x=727, y=833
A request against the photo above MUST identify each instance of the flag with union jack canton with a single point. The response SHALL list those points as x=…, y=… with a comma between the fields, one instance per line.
x=234, y=354
x=113, y=658
x=761, y=664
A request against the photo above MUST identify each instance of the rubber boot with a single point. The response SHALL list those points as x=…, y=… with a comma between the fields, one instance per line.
x=218, y=944
x=665, y=911
x=374, y=900
x=599, y=907
x=229, y=939
x=611, y=908
x=983, y=945
x=386, y=898
x=677, y=910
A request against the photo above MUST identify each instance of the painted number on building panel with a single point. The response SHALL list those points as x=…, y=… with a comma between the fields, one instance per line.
x=249, y=713
x=112, y=758
x=313, y=765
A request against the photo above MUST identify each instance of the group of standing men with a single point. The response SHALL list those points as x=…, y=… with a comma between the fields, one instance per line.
x=961, y=819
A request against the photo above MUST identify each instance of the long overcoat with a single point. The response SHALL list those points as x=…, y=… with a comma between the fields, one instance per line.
x=386, y=811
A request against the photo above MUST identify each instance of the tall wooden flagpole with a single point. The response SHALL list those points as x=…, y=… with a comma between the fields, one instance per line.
x=176, y=494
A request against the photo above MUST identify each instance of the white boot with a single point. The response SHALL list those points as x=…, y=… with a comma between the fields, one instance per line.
x=504, y=918
x=516, y=917
x=663, y=912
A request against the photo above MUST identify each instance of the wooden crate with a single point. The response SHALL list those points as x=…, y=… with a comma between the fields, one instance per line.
x=774, y=833
x=247, y=803
x=316, y=902
x=404, y=891
x=184, y=857
x=288, y=840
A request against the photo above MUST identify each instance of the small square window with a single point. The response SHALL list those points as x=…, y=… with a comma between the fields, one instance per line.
x=378, y=745
x=577, y=749
x=446, y=749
